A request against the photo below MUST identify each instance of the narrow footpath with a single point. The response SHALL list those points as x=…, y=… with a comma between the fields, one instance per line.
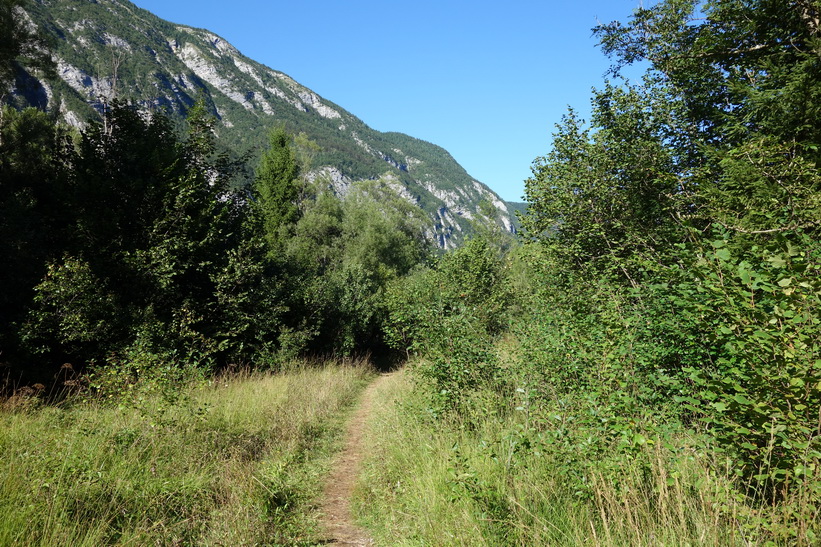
x=337, y=519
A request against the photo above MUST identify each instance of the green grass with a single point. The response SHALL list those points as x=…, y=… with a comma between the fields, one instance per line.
x=478, y=482
x=237, y=460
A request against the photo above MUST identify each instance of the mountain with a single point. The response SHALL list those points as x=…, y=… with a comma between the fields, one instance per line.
x=105, y=49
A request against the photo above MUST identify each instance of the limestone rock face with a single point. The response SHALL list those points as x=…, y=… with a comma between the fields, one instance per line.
x=111, y=49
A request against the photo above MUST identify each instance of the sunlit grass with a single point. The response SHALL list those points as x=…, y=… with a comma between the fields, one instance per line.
x=460, y=482
x=238, y=460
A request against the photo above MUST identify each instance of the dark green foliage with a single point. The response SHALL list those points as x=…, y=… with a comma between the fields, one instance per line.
x=75, y=310
x=746, y=67
x=276, y=186
x=156, y=249
x=34, y=220
x=138, y=244
x=451, y=314
x=677, y=255
x=342, y=255
x=248, y=301
x=744, y=84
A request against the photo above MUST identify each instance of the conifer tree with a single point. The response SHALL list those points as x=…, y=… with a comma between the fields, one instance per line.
x=276, y=186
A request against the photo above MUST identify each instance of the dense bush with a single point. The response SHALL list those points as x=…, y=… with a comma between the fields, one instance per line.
x=341, y=255
x=761, y=392
x=451, y=313
x=679, y=251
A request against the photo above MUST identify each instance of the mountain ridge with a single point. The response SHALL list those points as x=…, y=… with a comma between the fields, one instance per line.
x=103, y=47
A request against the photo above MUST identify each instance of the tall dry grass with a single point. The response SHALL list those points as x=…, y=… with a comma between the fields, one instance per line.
x=237, y=460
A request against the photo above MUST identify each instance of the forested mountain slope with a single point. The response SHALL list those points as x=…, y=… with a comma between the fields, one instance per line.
x=106, y=49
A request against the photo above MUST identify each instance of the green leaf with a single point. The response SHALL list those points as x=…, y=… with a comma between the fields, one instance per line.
x=723, y=254
x=797, y=382
x=742, y=400
x=777, y=261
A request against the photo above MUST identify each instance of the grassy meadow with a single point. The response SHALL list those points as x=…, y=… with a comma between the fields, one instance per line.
x=234, y=460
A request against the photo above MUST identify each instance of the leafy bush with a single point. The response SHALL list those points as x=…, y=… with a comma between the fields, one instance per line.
x=73, y=309
x=451, y=314
x=761, y=393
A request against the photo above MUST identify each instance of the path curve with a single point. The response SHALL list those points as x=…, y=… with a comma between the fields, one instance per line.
x=337, y=518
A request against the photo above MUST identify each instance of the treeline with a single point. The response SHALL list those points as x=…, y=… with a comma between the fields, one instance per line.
x=668, y=289
x=129, y=240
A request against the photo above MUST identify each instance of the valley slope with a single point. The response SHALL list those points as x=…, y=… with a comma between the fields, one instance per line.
x=106, y=49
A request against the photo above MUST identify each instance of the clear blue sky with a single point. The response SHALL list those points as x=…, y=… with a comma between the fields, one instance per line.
x=486, y=80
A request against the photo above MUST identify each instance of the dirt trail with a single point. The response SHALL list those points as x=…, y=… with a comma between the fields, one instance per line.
x=337, y=520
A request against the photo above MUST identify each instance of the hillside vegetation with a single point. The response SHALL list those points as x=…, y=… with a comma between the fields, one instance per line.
x=642, y=367
x=111, y=49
